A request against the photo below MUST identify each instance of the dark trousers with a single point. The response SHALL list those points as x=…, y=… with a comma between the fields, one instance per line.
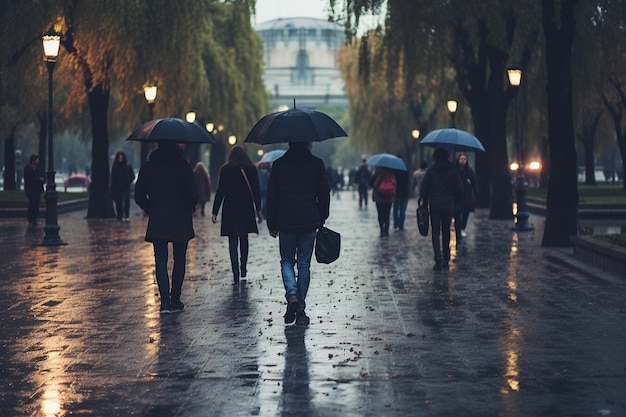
x=122, y=205
x=161, y=254
x=234, y=243
x=460, y=223
x=362, y=196
x=384, y=211
x=34, y=200
x=440, y=220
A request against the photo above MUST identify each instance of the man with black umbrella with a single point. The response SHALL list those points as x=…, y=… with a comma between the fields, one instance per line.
x=298, y=203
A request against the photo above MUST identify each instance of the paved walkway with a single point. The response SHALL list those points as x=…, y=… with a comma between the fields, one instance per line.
x=511, y=330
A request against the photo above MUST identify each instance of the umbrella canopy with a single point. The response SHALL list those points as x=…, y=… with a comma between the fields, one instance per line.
x=294, y=125
x=387, y=160
x=171, y=129
x=271, y=156
x=454, y=139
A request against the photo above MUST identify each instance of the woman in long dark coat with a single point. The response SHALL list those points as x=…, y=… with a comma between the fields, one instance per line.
x=238, y=189
x=166, y=191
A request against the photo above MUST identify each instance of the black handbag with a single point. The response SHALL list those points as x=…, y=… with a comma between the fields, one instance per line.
x=422, y=218
x=327, y=245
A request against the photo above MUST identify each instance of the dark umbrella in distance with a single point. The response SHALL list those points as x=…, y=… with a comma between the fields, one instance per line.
x=387, y=160
x=294, y=125
x=452, y=139
x=171, y=129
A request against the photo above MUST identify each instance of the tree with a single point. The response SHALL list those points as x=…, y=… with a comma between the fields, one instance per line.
x=474, y=41
x=559, y=25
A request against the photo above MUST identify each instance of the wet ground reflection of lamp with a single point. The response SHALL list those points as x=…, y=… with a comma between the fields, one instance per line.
x=51, y=43
x=521, y=216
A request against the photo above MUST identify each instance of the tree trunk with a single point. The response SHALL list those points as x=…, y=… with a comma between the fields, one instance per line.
x=562, y=200
x=9, y=162
x=100, y=203
x=590, y=166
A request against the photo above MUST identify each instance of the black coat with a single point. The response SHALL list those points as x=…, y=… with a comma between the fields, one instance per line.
x=441, y=187
x=470, y=188
x=122, y=176
x=238, y=214
x=298, y=196
x=166, y=190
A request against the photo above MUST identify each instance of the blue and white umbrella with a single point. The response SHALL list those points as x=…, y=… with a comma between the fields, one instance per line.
x=271, y=156
x=387, y=160
x=454, y=139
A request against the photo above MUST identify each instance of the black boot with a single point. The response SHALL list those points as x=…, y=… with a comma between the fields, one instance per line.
x=236, y=276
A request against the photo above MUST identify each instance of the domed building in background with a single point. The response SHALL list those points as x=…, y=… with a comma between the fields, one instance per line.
x=300, y=56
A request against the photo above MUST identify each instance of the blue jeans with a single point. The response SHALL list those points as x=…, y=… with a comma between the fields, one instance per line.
x=178, y=270
x=399, y=212
x=296, y=248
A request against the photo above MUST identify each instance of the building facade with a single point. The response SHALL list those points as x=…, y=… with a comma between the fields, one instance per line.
x=301, y=62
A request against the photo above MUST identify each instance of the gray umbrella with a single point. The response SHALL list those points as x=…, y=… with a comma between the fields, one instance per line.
x=453, y=139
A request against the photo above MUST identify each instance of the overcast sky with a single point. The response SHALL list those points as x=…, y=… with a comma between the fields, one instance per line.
x=273, y=9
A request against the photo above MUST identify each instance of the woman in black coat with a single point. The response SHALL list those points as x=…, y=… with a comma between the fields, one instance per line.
x=166, y=191
x=466, y=204
x=122, y=176
x=238, y=188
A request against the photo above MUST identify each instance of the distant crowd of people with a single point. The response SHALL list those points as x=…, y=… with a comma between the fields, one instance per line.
x=292, y=194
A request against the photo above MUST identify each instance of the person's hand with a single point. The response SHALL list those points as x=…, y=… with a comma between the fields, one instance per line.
x=273, y=233
x=214, y=218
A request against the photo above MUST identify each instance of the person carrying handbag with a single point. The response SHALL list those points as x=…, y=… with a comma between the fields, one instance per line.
x=238, y=189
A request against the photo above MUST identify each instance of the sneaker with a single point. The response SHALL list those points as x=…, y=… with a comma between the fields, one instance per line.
x=302, y=319
x=176, y=306
x=165, y=307
x=292, y=306
x=463, y=234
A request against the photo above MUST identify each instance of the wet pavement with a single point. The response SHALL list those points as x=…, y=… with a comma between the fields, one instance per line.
x=511, y=330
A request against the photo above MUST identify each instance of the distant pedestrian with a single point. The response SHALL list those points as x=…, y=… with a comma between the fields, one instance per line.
x=238, y=189
x=466, y=204
x=384, y=191
x=122, y=176
x=166, y=191
x=203, y=184
x=263, y=169
x=298, y=203
x=34, y=179
x=401, y=200
x=441, y=189
x=362, y=182
x=418, y=177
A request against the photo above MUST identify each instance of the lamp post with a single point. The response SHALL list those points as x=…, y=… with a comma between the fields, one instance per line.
x=232, y=139
x=452, y=105
x=150, y=93
x=514, y=73
x=51, y=42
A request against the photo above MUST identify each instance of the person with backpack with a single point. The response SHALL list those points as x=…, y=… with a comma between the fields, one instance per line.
x=383, y=185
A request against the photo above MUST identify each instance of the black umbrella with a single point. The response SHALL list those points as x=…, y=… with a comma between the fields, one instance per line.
x=294, y=125
x=171, y=129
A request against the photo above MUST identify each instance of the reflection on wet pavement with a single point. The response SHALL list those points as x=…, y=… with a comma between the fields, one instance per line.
x=508, y=331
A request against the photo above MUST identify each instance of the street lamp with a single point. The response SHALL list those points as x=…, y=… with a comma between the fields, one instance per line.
x=452, y=105
x=232, y=139
x=51, y=43
x=150, y=94
x=415, y=133
x=521, y=216
x=190, y=116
